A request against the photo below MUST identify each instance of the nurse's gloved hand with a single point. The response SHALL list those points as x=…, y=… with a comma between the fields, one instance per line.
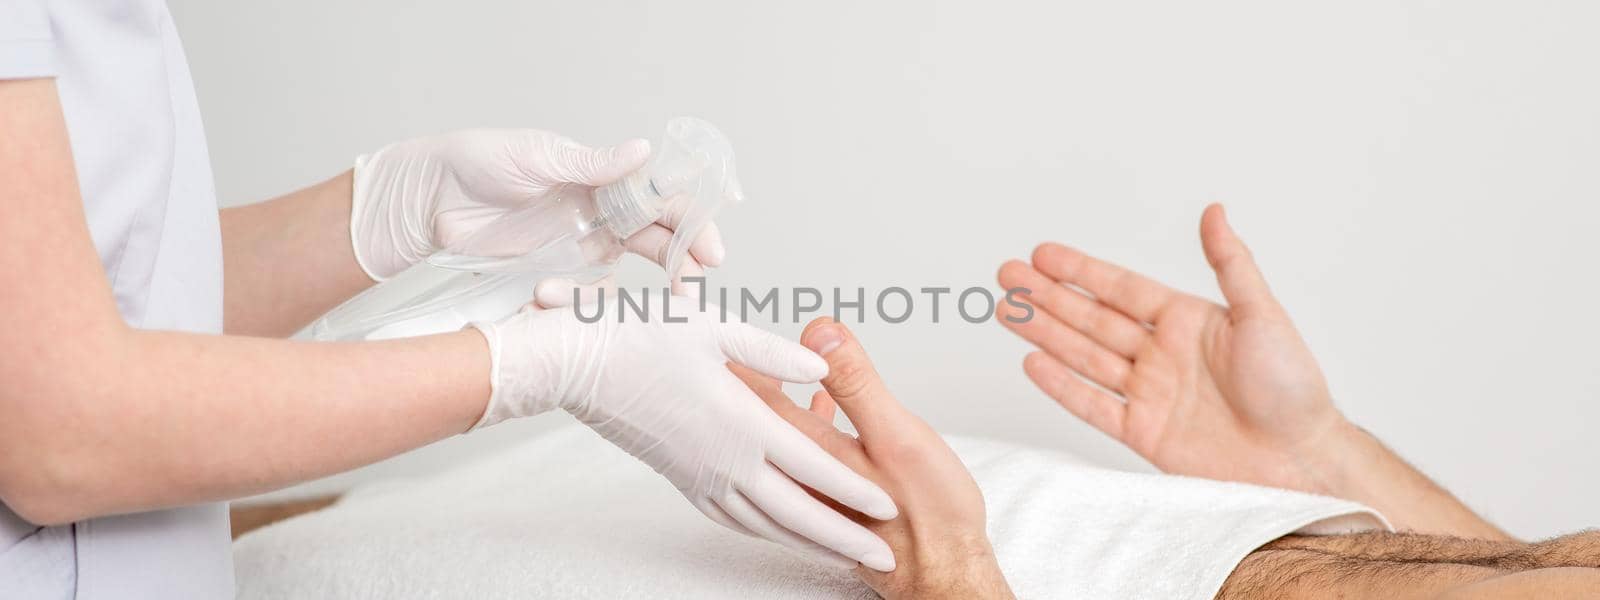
x=419, y=196
x=661, y=390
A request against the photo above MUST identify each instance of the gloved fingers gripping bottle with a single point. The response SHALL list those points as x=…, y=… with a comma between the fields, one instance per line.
x=576, y=232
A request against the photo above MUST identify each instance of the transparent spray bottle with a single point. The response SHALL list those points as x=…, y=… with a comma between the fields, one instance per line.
x=575, y=232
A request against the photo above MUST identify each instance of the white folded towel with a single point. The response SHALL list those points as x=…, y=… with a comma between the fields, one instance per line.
x=569, y=516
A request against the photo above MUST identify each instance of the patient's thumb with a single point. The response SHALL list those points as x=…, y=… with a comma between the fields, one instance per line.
x=852, y=381
x=1241, y=280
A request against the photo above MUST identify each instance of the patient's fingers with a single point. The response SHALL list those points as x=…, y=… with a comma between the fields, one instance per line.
x=1131, y=293
x=818, y=428
x=751, y=519
x=1108, y=327
x=789, y=505
x=770, y=390
x=1074, y=349
x=794, y=445
x=823, y=405
x=1098, y=408
x=801, y=458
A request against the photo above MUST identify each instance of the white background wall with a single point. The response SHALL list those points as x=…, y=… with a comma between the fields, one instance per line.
x=1419, y=179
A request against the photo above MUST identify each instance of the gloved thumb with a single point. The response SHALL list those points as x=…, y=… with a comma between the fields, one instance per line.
x=577, y=163
x=561, y=293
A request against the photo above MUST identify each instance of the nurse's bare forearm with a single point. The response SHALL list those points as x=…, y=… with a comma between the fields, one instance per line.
x=97, y=417
x=164, y=419
x=288, y=260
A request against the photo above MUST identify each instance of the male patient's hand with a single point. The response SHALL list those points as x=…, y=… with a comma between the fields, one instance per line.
x=939, y=540
x=1224, y=392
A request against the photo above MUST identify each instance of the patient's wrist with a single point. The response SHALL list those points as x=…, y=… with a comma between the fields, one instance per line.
x=1341, y=462
x=982, y=581
x=962, y=569
x=1354, y=465
x=1357, y=466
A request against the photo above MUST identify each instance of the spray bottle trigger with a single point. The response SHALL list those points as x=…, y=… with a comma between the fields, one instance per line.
x=697, y=167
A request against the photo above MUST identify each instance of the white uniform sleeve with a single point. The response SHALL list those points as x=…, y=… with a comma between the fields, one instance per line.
x=27, y=46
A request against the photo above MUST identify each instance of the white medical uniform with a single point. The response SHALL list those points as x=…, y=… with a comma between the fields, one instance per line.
x=147, y=190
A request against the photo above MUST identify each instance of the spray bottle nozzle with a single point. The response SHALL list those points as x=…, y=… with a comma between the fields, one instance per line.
x=690, y=177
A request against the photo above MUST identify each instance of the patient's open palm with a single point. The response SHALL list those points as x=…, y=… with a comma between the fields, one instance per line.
x=1196, y=388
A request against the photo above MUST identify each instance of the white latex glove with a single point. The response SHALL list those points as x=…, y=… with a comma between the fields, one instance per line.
x=416, y=197
x=560, y=293
x=662, y=392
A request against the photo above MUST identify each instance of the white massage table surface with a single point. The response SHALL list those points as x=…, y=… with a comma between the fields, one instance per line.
x=567, y=515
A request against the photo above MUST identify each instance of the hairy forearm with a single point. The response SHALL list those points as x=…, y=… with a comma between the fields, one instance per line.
x=165, y=419
x=1355, y=465
x=1288, y=574
x=983, y=585
x=1403, y=565
x=289, y=259
x=1575, y=550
